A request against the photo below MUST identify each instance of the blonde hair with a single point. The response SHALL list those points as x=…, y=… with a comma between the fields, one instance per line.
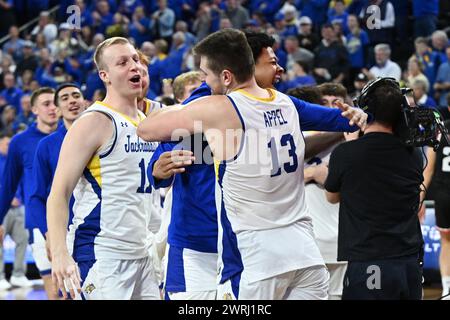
x=143, y=58
x=182, y=80
x=98, y=55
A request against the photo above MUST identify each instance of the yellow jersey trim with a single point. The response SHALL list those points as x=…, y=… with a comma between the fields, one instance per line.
x=95, y=168
x=135, y=123
x=249, y=95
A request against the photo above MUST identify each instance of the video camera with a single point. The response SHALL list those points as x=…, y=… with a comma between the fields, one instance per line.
x=418, y=126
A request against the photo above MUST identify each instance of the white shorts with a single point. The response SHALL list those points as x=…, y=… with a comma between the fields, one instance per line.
x=196, y=295
x=337, y=274
x=37, y=242
x=110, y=279
x=304, y=284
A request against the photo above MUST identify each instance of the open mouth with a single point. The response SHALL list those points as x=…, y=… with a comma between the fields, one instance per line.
x=74, y=109
x=135, y=79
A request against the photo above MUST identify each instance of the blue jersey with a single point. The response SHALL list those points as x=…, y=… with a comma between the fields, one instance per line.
x=18, y=166
x=44, y=167
x=194, y=217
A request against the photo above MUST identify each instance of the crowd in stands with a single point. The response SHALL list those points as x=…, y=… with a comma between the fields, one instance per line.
x=316, y=41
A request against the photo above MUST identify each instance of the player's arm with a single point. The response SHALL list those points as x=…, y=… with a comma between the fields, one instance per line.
x=317, y=143
x=83, y=139
x=171, y=124
x=42, y=179
x=10, y=179
x=320, y=118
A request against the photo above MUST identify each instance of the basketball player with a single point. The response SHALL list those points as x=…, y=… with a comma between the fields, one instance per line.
x=70, y=102
x=103, y=157
x=18, y=167
x=325, y=215
x=438, y=168
x=255, y=232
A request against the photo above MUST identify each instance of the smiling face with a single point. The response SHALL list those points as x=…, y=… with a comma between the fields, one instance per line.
x=267, y=70
x=70, y=103
x=121, y=69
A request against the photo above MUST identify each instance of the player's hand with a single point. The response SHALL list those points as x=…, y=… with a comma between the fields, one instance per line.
x=172, y=162
x=321, y=173
x=15, y=203
x=66, y=275
x=355, y=115
x=349, y=136
x=2, y=234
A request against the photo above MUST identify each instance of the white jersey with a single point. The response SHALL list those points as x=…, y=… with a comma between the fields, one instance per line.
x=325, y=215
x=112, y=209
x=260, y=194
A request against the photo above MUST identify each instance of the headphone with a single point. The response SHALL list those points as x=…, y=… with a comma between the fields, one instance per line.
x=363, y=101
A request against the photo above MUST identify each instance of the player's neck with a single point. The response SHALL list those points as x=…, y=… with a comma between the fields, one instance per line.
x=46, y=128
x=67, y=123
x=251, y=87
x=123, y=104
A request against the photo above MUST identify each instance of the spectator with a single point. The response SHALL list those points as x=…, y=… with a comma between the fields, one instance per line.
x=316, y=10
x=163, y=21
x=237, y=14
x=25, y=116
x=379, y=31
x=428, y=58
x=306, y=38
x=128, y=7
x=267, y=8
x=425, y=14
x=7, y=118
x=203, y=21
x=442, y=84
x=357, y=45
x=14, y=45
x=331, y=58
x=295, y=53
x=25, y=81
x=181, y=26
x=184, y=84
x=139, y=27
x=40, y=42
x=415, y=73
x=309, y=94
x=102, y=17
x=439, y=42
x=299, y=76
x=85, y=14
x=384, y=66
x=28, y=60
x=6, y=65
x=46, y=27
x=120, y=27
x=7, y=17
x=225, y=23
x=338, y=15
x=64, y=43
x=290, y=23
x=11, y=93
x=358, y=84
x=421, y=98
x=172, y=64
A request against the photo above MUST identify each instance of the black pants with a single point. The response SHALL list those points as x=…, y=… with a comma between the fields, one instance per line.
x=389, y=279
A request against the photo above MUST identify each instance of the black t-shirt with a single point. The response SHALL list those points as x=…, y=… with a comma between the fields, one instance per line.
x=441, y=174
x=379, y=183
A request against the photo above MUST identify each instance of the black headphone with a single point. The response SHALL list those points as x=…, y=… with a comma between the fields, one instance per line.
x=363, y=100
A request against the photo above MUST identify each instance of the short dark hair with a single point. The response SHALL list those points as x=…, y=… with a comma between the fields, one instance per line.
x=63, y=86
x=310, y=94
x=387, y=102
x=333, y=89
x=36, y=93
x=258, y=41
x=228, y=49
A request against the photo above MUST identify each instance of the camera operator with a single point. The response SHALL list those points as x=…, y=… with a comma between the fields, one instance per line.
x=377, y=181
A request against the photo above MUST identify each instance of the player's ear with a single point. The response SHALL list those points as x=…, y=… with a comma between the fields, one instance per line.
x=227, y=77
x=104, y=76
